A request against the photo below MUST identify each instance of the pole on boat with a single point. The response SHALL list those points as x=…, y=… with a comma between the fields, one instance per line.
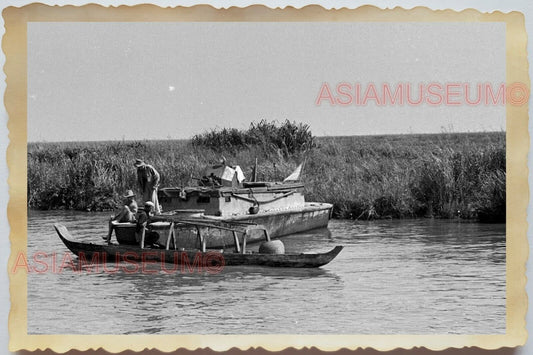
x=142, y=238
x=254, y=173
x=171, y=235
x=236, y=241
x=243, y=247
x=201, y=239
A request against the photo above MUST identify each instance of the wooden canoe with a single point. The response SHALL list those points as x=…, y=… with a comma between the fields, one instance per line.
x=129, y=253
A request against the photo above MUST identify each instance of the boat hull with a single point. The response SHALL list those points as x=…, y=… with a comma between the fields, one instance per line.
x=210, y=260
x=277, y=223
x=281, y=223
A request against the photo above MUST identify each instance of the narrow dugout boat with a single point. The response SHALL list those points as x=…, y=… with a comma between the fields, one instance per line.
x=270, y=254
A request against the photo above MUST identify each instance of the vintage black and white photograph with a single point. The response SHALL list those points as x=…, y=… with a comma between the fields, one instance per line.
x=267, y=178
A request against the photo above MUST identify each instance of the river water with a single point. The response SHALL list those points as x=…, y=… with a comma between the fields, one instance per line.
x=393, y=277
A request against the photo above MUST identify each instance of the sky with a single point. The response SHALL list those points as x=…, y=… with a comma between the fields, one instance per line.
x=114, y=81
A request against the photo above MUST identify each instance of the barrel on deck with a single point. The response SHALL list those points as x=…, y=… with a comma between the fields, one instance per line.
x=272, y=247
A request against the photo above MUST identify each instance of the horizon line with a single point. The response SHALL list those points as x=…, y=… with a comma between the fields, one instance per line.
x=324, y=136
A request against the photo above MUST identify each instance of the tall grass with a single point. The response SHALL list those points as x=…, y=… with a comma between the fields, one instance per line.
x=287, y=138
x=445, y=175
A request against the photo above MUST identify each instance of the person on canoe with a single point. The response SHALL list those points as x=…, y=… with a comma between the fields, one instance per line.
x=127, y=213
x=148, y=179
x=143, y=220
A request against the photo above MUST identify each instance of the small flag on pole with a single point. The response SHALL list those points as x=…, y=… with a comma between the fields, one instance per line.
x=295, y=175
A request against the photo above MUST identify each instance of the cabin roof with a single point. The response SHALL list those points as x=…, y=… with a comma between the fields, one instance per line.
x=247, y=186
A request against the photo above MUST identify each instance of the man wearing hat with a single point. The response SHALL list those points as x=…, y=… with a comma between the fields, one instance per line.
x=148, y=179
x=143, y=219
x=126, y=214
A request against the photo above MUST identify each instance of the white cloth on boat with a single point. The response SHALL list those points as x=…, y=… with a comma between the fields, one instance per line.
x=226, y=174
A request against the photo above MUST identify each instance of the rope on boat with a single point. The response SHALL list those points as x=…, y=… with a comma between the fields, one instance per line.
x=254, y=200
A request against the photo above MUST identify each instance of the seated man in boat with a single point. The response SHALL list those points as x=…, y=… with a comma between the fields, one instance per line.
x=126, y=214
x=143, y=220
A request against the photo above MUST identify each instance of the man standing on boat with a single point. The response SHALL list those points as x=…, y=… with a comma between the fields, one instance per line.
x=126, y=214
x=148, y=179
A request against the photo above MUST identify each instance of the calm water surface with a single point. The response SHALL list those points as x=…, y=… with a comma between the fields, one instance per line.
x=393, y=277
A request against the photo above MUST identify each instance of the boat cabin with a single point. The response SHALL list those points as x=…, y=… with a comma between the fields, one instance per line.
x=222, y=191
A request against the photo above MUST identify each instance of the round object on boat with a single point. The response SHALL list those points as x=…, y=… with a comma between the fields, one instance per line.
x=254, y=209
x=272, y=247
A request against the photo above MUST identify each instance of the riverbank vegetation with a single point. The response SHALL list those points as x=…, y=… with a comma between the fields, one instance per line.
x=403, y=176
x=287, y=138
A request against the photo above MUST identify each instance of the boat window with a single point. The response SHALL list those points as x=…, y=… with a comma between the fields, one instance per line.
x=203, y=199
x=228, y=199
